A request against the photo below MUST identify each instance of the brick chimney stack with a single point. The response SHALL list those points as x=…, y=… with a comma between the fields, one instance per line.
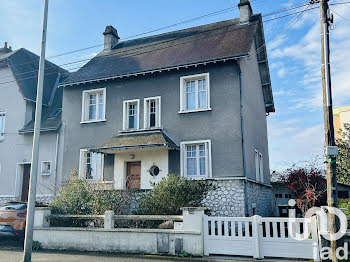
x=245, y=10
x=111, y=37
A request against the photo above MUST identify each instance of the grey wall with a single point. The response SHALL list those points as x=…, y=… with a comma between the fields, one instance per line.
x=255, y=126
x=221, y=125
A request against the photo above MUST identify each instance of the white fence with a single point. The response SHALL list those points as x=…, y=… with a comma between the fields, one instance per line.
x=259, y=237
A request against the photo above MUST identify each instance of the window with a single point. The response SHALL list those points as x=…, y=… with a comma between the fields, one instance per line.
x=131, y=109
x=94, y=105
x=259, y=168
x=46, y=167
x=2, y=125
x=194, y=93
x=152, y=109
x=91, y=165
x=196, y=159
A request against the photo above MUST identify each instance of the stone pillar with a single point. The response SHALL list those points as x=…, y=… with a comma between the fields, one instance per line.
x=109, y=219
x=40, y=215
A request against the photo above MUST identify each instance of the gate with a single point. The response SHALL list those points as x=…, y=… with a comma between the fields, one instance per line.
x=259, y=237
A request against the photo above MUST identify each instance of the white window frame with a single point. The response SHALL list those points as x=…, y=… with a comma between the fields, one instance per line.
x=82, y=167
x=183, y=98
x=85, y=109
x=259, y=166
x=146, y=112
x=208, y=161
x=42, y=168
x=126, y=114
x=2, y=132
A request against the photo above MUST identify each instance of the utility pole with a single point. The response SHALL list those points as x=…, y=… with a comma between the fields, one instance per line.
x=27, y=257
x=332, y=200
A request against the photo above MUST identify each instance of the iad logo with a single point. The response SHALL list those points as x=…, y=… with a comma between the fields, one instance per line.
x=322, y=220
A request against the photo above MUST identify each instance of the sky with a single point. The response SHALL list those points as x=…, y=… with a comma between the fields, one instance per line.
x=295, y=130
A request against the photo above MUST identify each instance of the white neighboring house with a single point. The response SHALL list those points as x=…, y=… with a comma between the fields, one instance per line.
x=18, y=81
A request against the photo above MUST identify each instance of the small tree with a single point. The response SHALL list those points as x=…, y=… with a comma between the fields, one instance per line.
x=174, y=192
x=307, y=184
x=343, y=159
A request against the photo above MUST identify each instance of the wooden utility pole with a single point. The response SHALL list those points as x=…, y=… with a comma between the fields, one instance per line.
x=27, y=257
x=328, y=120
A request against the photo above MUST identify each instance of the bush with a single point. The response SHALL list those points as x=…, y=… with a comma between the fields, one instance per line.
x=36, y=245
x=345, y=203
x=78, y=197
x=174, y=192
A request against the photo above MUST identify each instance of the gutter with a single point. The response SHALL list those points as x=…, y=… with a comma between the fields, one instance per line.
x=224, y=59
x=243, y=142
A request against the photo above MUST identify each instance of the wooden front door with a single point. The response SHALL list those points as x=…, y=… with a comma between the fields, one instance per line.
x=25, y=183
x=133, y=175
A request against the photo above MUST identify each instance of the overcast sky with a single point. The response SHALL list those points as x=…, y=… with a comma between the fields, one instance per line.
x=295, y=130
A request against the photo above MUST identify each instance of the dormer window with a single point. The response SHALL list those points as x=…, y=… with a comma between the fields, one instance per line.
x=194, y=93
x=152, y=109
x=94, y=105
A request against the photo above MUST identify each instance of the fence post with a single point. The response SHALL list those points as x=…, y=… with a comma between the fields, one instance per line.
x=193, y=220
x=316, y=247
x=257, y=236
x=109, y=219
x=40, y=214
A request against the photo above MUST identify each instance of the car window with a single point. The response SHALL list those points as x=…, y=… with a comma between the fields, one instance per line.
x=13, y=206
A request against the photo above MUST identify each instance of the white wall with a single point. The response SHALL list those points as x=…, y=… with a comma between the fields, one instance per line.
x=148, y=158
x=16, y=149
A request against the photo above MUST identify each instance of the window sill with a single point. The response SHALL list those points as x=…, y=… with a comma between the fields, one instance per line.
x=92, y=121
x=140, y=130
x=45, y=174
x=198, y=177
x=195, y=110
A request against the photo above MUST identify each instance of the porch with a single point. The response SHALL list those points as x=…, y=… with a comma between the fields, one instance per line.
x=132, y=160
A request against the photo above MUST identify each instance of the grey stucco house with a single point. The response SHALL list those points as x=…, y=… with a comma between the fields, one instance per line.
x=191, y=102
x=18, y=82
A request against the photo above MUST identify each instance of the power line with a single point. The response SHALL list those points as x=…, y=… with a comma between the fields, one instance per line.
x=340, y=15
x=169, y=26
x=126, y=51
x=136, y=48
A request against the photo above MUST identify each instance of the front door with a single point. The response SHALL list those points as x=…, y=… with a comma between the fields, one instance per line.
x=25, y=183
x=133, y=175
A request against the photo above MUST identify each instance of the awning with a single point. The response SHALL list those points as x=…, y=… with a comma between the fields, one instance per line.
x=136, y=140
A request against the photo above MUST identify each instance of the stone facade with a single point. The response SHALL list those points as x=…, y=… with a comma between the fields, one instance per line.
x=259, y=199
x=227, y=199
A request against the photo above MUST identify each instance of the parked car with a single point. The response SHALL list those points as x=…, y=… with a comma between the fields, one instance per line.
x=13, y=219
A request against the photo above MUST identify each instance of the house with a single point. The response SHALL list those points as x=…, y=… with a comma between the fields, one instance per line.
x=191, y=102
x=282, y=195
x=342, y=117
x=18, y=84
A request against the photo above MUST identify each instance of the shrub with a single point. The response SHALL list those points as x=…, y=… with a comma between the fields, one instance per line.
x=36, y=245
x=174, y=192
x=345, y=203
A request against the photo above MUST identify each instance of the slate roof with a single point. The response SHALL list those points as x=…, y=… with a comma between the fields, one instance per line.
x=155, y=138
x=24, y=66
x=225, y=39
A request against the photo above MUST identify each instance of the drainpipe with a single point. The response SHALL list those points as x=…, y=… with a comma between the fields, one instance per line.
x=243, y=141
x=56, y=160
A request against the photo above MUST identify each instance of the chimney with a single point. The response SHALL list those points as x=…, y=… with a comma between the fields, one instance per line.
x=245, y=10
x=5, y=49
x=111, y=37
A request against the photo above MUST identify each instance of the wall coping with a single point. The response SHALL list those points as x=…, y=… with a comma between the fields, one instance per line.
x=132, y=230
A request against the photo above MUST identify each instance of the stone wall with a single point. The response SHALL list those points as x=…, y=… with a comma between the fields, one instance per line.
x=227, y=199
x=259, y=199
x=7, y=199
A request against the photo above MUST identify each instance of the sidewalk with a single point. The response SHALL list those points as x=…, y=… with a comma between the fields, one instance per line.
x=16, y=255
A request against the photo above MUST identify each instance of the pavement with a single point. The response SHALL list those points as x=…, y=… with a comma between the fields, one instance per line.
x=11, y=251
